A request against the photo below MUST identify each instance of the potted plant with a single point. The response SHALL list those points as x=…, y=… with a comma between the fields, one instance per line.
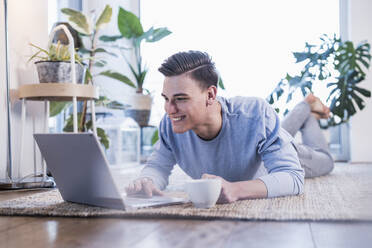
x=88, y=29
x=131, y=30
x=339, y=64
x=85, y=28
x=54, y=66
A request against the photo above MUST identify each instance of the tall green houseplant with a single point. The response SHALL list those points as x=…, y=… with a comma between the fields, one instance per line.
x=132, y=32
x=88, y=29
x=131, y=29
x=339, y=64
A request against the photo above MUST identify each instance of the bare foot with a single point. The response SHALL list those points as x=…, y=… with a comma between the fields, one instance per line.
x=318, y=109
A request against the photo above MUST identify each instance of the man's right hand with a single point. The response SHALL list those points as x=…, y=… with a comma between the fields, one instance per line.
x=144, y=186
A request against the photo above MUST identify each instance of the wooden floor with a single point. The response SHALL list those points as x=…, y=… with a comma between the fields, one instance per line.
x=113, y=232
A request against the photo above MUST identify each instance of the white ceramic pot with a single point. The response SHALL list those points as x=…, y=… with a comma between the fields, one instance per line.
x=140, y=108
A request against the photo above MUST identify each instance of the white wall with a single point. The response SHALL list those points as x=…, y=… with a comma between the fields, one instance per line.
x=360, y=28
x=28, y=22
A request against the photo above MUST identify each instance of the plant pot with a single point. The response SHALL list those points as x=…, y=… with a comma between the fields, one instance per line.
x=140, y=108
x=59, y=72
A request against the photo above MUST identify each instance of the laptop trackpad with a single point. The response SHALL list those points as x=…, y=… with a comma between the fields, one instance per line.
x=140, y=202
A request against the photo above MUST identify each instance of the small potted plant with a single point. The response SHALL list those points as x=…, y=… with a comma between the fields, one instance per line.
x=54, y=66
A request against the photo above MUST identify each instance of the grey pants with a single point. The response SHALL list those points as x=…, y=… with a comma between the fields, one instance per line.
x=313, y=152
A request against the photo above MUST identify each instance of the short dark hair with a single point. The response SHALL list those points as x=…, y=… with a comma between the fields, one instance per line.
x=198, y=64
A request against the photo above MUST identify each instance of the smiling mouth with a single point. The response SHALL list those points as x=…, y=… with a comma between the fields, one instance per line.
x=176, y=119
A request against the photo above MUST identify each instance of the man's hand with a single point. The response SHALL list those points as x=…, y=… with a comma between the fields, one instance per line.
x=233, y=191
x=228, y=190
x=144, y=186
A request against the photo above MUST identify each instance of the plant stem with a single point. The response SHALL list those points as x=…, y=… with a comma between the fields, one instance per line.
x=85, y=104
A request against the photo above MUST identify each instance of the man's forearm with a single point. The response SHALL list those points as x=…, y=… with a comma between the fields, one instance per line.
x=250, y=189
x=233, y=191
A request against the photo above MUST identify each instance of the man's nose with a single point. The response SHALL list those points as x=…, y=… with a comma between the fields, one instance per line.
x=170, y=108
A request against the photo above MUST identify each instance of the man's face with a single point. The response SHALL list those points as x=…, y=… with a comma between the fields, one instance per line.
x=185, y=103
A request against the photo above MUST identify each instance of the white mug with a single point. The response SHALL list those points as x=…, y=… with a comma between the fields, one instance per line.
x=203, y=193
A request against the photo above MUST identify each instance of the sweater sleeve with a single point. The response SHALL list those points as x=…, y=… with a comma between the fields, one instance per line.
x=275, y=146
x=161, y=161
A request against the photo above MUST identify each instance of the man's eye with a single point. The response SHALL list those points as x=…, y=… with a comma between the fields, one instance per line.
x=180, y=99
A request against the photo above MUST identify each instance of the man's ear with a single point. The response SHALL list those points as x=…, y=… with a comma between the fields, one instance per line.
x=212, y=94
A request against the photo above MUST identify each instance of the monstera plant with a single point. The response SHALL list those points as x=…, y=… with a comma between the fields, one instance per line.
x=340, y=65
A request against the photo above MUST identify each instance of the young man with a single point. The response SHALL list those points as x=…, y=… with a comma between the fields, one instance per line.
x=210, y=136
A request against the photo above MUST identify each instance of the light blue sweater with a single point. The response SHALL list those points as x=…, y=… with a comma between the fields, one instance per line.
x=250, y=134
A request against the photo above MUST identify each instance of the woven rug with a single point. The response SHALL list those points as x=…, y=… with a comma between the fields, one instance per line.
x=345, y=194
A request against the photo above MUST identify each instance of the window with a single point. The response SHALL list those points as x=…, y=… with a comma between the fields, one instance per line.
x=251, y=42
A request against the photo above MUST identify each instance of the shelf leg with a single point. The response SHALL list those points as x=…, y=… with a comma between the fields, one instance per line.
x=74, y=103
x=34, y=144
x=23, y=122
x=93, y=112
x=46, y=130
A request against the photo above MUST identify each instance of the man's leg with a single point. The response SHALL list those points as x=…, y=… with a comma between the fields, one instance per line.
x=313, y=152
x=296, y=118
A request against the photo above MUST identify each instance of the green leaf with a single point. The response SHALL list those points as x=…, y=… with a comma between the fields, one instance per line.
x=88, y=126
x=69, y=124
x=116, y=105
x=288, y=77
x=84, y=50
x=129, y=24
x=270, y=99
x=107, y=38
x=103, y=138
x=88, y=76
x=155, y=137
x=158, y=34
x=136, y=75
x=102, y=50
x=359, y=101
x=78, y=21
x=100, y=63
x=104, y=101
x=289, y=97
x=137, y=40
x=141, y=79
x=362, y=91
x=104, y=18
x=220, y=83
x=118, y=76
x=295, y=81
x=301, y=56
x=36, y=55
x=349, y=58
x=57, y=107
x=365, y=63
x=331, y=84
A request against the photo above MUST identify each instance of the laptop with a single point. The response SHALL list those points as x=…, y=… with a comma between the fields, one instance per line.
x=82, y=175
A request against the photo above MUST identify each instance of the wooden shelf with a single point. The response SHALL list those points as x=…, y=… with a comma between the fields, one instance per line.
x=57, y=92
